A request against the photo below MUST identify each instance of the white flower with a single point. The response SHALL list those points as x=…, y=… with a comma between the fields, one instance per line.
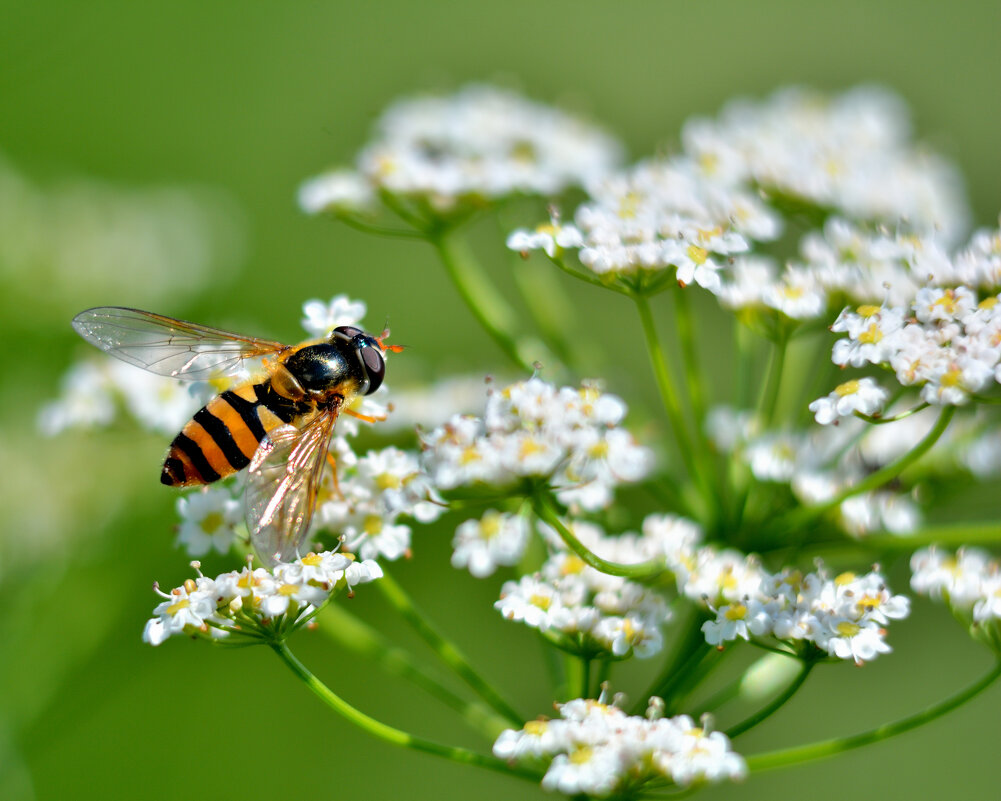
x=250, y=600
x=495, y=539
x=534, y=429
x=858, y=395
x=322, y=317
x=597, y=750
x=337, y=191
x=209, y=518
x=185, y=610
x=480, y=142
x=85, y=401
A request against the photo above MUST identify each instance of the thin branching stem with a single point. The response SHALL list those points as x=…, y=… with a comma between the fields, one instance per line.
x=480, y=296
x=546, y=512
x=387, y=733
x=838, y=745
x=354, y=634
x=446, y=650
x=777, y=703
x=873, y=481
x=669, y=397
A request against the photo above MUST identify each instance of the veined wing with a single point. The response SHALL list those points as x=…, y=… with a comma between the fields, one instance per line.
x=282, y=482
x=169, y=347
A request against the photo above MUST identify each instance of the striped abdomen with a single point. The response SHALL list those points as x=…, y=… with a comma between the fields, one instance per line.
x=224, y=434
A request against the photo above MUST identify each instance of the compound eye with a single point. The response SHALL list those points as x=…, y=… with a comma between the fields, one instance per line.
x=347, y=331
x=375, y=366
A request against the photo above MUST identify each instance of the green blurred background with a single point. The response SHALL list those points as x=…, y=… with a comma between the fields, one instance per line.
x=242, y=101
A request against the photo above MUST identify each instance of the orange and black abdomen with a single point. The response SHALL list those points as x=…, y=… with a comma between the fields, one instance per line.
x=224, y=434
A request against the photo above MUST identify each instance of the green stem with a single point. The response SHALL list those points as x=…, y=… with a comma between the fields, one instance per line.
x=641, y=570
x=586, y=277
x=444, y=648
x=827, y=748
x=689, y=642
x=388, y=733
x=953, y=535
x=672, y=404
x=585, y=678
x=744, y=354
x=769, y=396
x=480, y=296
x=878, y=421
x=694, y=377
x=776, y=704
x=873, y=481
x=379, y=230
x=362, y=639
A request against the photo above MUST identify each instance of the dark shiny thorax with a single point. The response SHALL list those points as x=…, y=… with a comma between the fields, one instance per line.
x=327, y=369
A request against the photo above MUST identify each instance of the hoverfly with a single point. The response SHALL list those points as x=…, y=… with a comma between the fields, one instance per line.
x=278, y=424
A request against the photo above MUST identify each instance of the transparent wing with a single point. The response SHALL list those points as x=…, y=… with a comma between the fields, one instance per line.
x=169, y=347
x=282, y=482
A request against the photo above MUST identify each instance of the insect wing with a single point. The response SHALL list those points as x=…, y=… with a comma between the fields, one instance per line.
x=169, y=347
x=282, y=482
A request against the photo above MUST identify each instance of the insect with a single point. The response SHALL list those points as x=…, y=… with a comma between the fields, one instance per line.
x=277, y=424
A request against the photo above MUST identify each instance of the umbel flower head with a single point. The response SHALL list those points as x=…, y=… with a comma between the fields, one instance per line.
x=596, y=749
x=480, y=143
x=569, y=437
x=258, y=604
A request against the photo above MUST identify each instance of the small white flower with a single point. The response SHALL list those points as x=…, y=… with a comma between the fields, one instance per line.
x=322, y=317
x=495, y=539
x=337, y=191
x=209, y=519
x=858, y=395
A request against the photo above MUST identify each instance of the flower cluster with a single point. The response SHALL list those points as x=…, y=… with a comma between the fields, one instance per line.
x=845, y=616
x=654, y=216
x=93, y=392
x=370, y=496
x=850, y=152
x=598, y=750
x=700, y=210
x=969, y=581
x=945, y=342
x=84, y=237
x=479, y=143
x=257, y=603
x=585, y=611
x=569, y=437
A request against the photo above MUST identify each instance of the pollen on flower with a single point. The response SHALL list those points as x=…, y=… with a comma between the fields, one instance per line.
x=596, y=750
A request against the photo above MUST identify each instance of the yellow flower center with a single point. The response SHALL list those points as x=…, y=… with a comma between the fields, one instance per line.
x=174, y=608
x=543, y=602
x=312, y=559
x=581, y=755
x=871, y=335
x=530, y=447
x=844, y=578
x=385, y=481
x=536, y=727
x=952, y=378
x=490, y=525
x=372, y=525
x=848, y=629
x=736, y=612
x=947, y=301
x=847, y=388
x=697, y=254
x=868, y=310
x=288, y=589
x=469, y=455
x=212, y=522
x=572, y=565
